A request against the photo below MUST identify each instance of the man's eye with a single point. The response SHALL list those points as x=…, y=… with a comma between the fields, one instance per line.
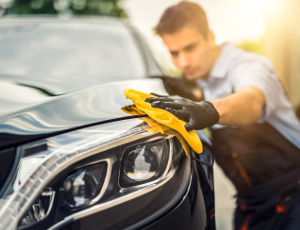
x=190, y=48
x=174, y=54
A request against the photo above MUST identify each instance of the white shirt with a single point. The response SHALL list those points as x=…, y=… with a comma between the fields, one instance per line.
x=235, y=69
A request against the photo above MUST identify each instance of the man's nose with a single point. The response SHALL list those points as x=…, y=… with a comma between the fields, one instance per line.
x=182, y=60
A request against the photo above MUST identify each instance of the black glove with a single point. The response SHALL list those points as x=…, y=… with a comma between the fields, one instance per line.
x=198, y=115
x=183, y=87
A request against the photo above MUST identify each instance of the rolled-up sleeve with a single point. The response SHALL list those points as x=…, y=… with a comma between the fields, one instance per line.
x=262, y=76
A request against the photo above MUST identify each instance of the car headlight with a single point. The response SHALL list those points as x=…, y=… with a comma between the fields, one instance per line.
x=84, y=171
x=80, y=188
x=39, y=209
x=143, y=163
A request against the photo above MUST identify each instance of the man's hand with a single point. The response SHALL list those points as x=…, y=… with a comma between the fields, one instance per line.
x=198, y=115
x=183, y=87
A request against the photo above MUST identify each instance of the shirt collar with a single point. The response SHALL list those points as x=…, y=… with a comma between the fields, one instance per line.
x=221, y=66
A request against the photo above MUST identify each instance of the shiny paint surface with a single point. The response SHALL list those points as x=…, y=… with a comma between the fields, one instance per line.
x=97, y=104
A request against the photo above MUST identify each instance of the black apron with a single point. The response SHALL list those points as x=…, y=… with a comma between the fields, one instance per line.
x=265, y=169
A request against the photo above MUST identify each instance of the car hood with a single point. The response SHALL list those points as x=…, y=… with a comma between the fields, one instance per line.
x=32, y=114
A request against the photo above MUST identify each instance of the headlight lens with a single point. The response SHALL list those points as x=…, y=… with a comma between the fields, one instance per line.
x=82, y=186
x=39, y=209
x=143, y=163
x=97, y=165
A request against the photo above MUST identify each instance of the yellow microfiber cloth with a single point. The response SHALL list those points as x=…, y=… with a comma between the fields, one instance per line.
x=163, y=118
x=155, y=127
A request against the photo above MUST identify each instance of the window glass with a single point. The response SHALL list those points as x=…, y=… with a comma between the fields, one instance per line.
x=76, y=54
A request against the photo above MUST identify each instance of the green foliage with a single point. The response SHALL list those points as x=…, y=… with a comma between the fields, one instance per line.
x=68, y=7
x=255, y=46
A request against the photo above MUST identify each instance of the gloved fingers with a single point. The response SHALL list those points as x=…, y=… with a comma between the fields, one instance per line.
x=166, y=104
x=180, y=113
x=190, y=125
x=157, y=99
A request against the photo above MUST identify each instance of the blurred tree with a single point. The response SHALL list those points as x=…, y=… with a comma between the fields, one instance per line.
x=255, y=46
x=67, y=7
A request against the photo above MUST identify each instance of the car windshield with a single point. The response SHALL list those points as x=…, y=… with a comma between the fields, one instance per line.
x=68, y=54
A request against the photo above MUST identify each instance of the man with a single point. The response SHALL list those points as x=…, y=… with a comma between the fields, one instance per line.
x=256, y=135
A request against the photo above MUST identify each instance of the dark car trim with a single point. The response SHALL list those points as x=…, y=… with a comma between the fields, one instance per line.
x=176, y=200
x=6, y=162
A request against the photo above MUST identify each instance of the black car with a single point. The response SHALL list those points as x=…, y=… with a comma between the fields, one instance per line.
x=70, y=158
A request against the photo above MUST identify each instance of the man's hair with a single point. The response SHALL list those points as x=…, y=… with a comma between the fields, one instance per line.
x=182, y=14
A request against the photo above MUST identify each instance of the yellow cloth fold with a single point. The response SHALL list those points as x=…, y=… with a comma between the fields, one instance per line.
x=155, y=127
x=163, y=117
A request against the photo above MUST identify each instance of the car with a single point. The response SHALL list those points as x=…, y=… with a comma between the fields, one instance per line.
x=70, y=157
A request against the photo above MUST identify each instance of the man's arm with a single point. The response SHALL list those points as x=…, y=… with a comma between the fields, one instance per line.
x=241, y=108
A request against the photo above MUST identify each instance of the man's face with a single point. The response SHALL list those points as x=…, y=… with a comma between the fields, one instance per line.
x=192, y=54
